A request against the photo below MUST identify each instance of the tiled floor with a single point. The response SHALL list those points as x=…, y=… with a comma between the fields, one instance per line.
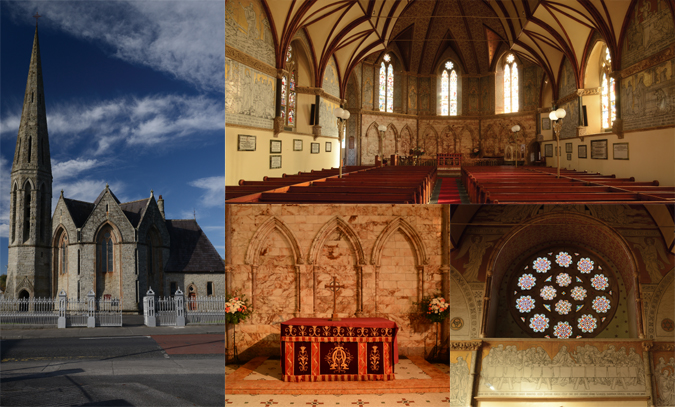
x=258, y=383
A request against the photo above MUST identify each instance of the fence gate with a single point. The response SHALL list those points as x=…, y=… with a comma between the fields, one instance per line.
x=165, y=311
x=109, y=312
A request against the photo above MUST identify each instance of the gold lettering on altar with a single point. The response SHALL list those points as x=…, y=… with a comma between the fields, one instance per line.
x=303, y=358
x=375, y=358
x=339, y=358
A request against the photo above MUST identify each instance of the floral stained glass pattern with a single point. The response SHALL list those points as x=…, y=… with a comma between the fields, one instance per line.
x=525, y=304
x=526, y=281
x=548, y=292
x=578, y=293
x=599, y=282
x=562, y=330
x=507, y=89
x=514, y=88
x=390, y=88
x=563, y=279
x=563, y=259
x=510, y=85
x=539, y=323
x=601, y=304
x=542, y=265
x=585, y=265
x=563, y=307
x=453, y=93
x=283, y=90
x=587, y=323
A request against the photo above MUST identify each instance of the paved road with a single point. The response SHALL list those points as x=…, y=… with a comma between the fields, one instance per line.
x=181, y=370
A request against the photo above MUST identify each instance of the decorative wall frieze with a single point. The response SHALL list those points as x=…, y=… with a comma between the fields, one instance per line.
x=663, y=346
x=589, y=91
x=309, y=90
x=236, y=55
x=466, y=345
x=399, y=115
x=566, y=99
x=647, y=63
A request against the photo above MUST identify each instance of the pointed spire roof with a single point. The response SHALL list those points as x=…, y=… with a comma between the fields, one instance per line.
x=32, y=150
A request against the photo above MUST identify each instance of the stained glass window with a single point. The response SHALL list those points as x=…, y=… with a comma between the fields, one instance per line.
x=608, y=93
x=386, y=85
x=288, y=91
x=448, y=90
x=511, y=85
x=573, y=294
x=453, y=93
x=444, y=93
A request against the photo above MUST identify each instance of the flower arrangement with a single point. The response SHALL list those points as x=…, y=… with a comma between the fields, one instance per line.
x=416, y=152
x=237, y=308
x=435, y=309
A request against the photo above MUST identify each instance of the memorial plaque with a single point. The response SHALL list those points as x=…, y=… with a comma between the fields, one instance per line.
x=548, y=150
x=275, y=146
x=583, y=151
x=246, y=143
x=315, y=148
x=297, y=145
x=275, y=162
x=599, y=149
x=620, y=151
x=329, y=146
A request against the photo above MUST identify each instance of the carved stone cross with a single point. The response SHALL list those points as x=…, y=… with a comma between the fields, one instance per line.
x=334, y=287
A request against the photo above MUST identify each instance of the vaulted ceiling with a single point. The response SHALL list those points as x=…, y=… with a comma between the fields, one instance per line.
x=425, y=32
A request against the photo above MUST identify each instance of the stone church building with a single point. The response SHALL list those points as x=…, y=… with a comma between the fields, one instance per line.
x=117, y=249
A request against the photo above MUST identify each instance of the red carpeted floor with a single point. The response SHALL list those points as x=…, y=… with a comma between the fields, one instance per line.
x=449, y=193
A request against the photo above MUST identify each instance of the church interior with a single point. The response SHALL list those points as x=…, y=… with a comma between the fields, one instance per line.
x=416, y=150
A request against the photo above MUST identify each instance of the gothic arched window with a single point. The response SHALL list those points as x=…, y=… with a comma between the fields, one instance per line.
x=608, y=95
x=14, y=220
x=288, y=95
x=387, y=85
x=26, y=212
x=449, y=90
x=563, y=292
x=105, y=251
x=63, y=253
x=510, y=84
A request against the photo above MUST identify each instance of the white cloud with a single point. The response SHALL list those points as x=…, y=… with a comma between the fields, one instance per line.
x=5, y=168
x=85, y=190
x=182, y=38
x=71, y=168
x=214, y=187
x=145, y=121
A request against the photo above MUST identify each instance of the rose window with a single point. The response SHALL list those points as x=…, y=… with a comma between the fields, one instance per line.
x=573, y=294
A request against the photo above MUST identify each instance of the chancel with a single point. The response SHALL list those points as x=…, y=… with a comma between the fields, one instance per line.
x=441, y=84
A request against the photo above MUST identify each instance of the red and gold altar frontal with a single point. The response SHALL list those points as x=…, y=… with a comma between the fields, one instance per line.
x=317, y=349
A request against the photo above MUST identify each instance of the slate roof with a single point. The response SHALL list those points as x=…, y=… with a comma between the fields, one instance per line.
x=134, y=210
x=191, y=250
x=79, y=210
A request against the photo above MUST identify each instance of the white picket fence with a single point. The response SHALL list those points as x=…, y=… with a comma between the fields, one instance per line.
x=62, y=311
x=175, y=311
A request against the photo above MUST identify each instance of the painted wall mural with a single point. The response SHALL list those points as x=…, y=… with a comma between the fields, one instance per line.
x=532, y=75
x=487, y=91
x=412, y=95
x=367, y=87
x=327, y=119
x=566, y=83
x=648, y=97
x=424, y=90
x=517, y=369
x=473, y=87
x=663, y=370
x=571, y=121
x=650, y=30
x=250, y=96
x=248, y=29
x=469, y=259
x=460, y=378
x=331, y=83
x=653, y=257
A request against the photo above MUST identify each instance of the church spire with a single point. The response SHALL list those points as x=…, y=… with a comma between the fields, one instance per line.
x=32, y=144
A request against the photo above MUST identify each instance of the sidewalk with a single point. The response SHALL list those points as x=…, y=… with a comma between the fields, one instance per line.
x=132, y=326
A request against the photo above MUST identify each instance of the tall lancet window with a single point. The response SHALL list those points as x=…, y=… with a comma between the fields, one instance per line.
x=608, y=95
x=449, y=90
x=510, y=84
x=63, y=253
x=387, y=85
x=105, y=251
x=288, y=95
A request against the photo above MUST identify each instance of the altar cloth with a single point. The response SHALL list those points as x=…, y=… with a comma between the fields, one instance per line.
x=318, y=349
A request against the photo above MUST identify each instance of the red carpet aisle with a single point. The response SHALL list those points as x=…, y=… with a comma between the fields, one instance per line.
x=450, y=191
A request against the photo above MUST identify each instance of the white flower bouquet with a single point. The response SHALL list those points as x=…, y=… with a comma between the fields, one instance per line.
x=435, y=309
x=237, y=309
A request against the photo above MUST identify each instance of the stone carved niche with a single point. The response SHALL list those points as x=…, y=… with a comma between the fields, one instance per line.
x=337, y=252
x=274, y=255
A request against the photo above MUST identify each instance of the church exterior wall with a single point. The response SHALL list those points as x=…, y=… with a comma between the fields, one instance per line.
x=283, y=255
x=199, y=280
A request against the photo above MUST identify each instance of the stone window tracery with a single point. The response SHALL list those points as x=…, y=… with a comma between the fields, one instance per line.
x=563, y=292
x=386, y=85
x=510, y=84
x=449, y=90
x=608, y=93
x=63, y=253
x=105, y=251
x=288, y=90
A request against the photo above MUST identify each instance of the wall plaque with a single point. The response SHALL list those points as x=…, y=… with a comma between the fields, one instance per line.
x=548, y=150
x=329, y=146
x=246, y=143
x=620, y=151
x=583, y=151
x=297, y=145
x=568, y=148
x=545, y=123
x=275, y=146
x=599, y=149
x=275, y=162
x=314, y=148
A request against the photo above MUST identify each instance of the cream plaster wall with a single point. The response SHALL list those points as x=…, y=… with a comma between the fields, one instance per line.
x=651, y=156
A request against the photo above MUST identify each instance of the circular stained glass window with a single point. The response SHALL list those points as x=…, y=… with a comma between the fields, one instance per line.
x=563, y=293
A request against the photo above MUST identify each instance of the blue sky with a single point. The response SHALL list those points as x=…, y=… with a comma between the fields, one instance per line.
x=134, y=93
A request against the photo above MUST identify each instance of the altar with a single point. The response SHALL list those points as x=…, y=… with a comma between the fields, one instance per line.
x=352, y=349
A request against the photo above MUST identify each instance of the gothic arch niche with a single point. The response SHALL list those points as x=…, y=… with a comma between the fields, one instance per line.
x=569, y=228
x=336, y=251
x=304, y=67
x=27, y=203
x=370, y=144
x=274, y=256
x=592, y=81
x=108, y=261
x=390, y=141
x=661, y=309
x=463, y=308
x=14, y=220
x=430, y=140
x=406, y=141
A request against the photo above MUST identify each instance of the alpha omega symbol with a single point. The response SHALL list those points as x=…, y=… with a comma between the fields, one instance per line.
x=338, y=359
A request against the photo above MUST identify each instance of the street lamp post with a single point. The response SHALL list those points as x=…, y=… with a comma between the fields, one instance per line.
x=557, y=116
x=342, y=115
x=515, y=129
x=381, y=128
